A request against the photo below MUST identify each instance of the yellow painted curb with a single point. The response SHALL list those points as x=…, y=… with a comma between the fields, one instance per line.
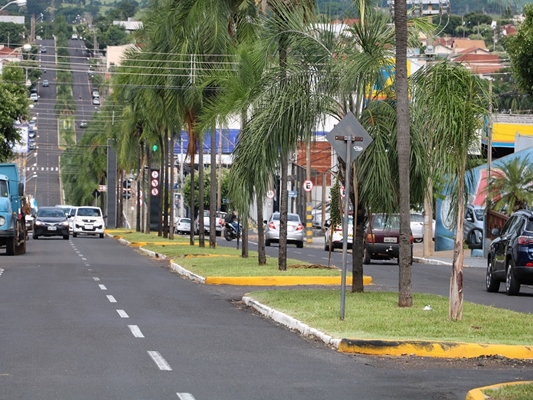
x=280, y=280
x=433, y=349
x=477, y=393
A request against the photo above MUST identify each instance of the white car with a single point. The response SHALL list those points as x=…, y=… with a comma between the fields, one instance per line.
x=88, y=221
x=334, y=238
x=417, y=227
x=34, y=97
x=182, y=225
x=219, y=222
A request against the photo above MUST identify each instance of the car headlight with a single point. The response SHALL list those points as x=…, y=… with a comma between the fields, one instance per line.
x=64, y=223
x=38, y=222
x=2, y=221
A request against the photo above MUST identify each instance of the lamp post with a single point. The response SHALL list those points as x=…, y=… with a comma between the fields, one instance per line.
x=20, y=3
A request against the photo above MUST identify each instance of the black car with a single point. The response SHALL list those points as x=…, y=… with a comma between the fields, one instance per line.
x=50, y=221
x=510, y=257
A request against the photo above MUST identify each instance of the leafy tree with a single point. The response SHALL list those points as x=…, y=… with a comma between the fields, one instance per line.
x=509, y=187
x=11, y=34
x=520, y=48
x=207, y=181
x=13, y=107
x=114, y=35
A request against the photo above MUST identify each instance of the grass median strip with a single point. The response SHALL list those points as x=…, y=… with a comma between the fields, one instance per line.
x=376, y=315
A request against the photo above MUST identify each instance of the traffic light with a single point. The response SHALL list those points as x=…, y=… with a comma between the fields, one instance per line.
x=154, y=148
x=126, y=183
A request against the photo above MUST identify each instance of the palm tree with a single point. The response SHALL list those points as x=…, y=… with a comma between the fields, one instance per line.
x=510, y=188
x=456, y=101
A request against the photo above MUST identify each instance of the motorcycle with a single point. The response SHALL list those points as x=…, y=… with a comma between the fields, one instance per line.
x=230, y=232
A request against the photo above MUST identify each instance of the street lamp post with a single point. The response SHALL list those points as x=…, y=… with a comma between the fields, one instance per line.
x=20, y=3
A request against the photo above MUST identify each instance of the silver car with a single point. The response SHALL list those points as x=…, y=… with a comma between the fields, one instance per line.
x=295, y=230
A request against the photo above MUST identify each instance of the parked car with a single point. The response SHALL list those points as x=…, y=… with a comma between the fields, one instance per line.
x=182, y=225
x=32, y=144
x=32, y=133
x=219, y=222
x=510, y=255
x=474, y=218
x=83, y=124
x=96, y=93
x=34, y=97
x=316, y=213
x=74, y=36
x=417, y=227
x=96, y=101
x=382, y=238
x=50, y=221
x=88, y=220
x=46, y=83
x=334, y=237
x=295, y=230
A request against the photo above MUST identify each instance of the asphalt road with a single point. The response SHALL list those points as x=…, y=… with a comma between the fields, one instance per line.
x=90, y=318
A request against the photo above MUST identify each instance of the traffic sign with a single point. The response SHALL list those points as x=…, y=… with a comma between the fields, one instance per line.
x=102, y=188
x=155, y=191
x=293, y=193
x=154, y=182
x=349, y=132
x=270, y=194
x=308, y=186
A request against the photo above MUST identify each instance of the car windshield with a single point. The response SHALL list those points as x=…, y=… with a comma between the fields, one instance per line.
x=384, y=221
x=480, y=214
x=185, y=221
x=51, y=213
x=88, y=212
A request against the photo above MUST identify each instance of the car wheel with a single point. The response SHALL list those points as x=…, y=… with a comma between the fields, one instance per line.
x=512, y=285
x=65, y=237
x=35, y=237
x=267, y=243
x=101, y=236
x=326, y=247
x=75, y=234
x=492, y=284
x=366, y=258
x=300, y=245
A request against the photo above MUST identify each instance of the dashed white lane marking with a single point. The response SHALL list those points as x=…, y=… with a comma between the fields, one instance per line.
x=159, y=361
x=111, y=299
x=1, y=271
x=96, y=278
x=136, y=331
x=102, y=287
x=185, y=396
x=84, y=259
x=122, y=314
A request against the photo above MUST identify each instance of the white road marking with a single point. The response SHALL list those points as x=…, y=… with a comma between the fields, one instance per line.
x=159, y=361
x=185, y=396
x=96, y=278
x=136, y=331
x=84, y=259
x=1, y=271
x=122, y=314
x=102, y=287
x=111, y=299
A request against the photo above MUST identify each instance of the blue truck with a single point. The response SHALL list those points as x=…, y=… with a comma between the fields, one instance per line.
x=13, y=209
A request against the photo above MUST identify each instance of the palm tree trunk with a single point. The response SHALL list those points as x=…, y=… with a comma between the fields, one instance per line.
x=261, y=253
x=357, y=262
x=405, y=298
x=428, y=217
x=284, y=209
x=201, y=237
x=213, y=190
x=455, y=312
x=244, y=236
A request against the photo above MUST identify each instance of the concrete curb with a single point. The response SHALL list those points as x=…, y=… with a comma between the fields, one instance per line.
x=477, y=393
x=290, y=322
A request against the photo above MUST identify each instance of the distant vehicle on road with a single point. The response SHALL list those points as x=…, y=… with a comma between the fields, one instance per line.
x=50, y=221
x=182, y=225
x=34, y=97
x=46, y=83
x=74, y=36
x=96, y=101
x=417, y=227
x=295, y=230
x=43, y=49
x=382, y=238
x=335, y=238
x=83, y=124
x=89, y=221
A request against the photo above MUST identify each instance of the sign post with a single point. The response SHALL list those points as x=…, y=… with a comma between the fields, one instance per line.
x=342, y=138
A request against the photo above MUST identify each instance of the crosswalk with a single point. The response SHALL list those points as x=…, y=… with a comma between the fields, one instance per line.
x=42, y=169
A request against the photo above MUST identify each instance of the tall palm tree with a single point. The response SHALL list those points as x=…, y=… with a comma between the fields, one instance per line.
x=457, y=101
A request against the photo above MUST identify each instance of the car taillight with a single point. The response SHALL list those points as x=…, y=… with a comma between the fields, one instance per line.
x=412, y=239
x=338, y=229
x=370, y=238
x=525, y=240
x=299, y=227
x=272, y=225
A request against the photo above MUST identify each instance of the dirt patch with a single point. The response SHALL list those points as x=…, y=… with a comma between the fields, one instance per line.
x=312, y=266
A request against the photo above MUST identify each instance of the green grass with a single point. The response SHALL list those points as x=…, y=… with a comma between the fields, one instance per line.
x=376, y=315
x=512, y=392
x=228, y=263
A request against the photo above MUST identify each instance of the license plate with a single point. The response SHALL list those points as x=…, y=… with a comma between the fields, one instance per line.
x=88, y=227
x=390, y=240
x=52, y=228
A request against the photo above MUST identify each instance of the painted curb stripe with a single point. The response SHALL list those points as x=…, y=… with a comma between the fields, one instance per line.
x=280, y=280
x=477, y=393
x=433, y=349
